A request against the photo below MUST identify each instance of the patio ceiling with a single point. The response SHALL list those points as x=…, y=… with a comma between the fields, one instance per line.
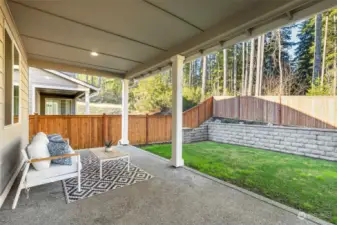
x=135, y=37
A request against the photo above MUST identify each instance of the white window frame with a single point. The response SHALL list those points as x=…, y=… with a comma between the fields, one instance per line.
x=7, y=29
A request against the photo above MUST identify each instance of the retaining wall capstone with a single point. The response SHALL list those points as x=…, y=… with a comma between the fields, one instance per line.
x=311, y=142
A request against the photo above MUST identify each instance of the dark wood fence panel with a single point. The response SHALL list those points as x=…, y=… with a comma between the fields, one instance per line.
x=226, y=107
x=304, y=111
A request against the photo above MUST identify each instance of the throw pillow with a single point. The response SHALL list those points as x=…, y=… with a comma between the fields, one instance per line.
x=36, y=150
x=59, y=147
x=41, y=137
x=55, y=137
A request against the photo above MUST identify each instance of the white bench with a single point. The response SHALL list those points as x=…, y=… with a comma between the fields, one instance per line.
x=31, y=177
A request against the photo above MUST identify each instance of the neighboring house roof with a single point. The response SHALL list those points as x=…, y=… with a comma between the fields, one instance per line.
x=77, y=81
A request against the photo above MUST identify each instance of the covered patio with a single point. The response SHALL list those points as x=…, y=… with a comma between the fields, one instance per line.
x=61, y=36
x=173, y=196
x=131, y=40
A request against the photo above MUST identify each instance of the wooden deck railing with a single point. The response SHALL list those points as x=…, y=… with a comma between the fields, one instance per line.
x=89, y=131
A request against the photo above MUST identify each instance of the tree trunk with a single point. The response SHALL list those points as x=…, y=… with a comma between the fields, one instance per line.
x=335, y=61
x=99, y=81
x=225, y=75
x=262, y=64
x=258, y=62
x=251, y=67
x=235, y=69
x=243, y=68
x=218, y=77
x=190, y=75
x=324, y=47
x=318, y=44
x=280, y=60
x=246, y=69
x=203, y=84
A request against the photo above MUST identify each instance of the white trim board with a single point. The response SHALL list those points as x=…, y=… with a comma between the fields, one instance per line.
x=77, y=81
x=7, y=189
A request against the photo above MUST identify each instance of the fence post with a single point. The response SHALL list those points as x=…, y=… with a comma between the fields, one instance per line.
x=104, y=127
x=147, y=128
x=36, y=123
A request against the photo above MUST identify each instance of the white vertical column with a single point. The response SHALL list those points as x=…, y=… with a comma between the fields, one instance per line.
x=177, y=111
x=87, y=103
x=125, y=113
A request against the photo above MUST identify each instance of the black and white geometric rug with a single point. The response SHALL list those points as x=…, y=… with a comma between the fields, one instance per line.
x=114, y=175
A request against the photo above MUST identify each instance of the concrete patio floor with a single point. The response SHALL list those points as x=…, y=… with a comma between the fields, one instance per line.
x=173, y=196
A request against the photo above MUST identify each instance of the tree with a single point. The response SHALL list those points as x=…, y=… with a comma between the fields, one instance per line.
x=251, y=68
x=246, y=70
x=324, y=47
x=304, y=55
x=258, y=66
x=225, y=75
x=280, y=60
x=243, y=77
x=151, y=94
x=335, y=57
x=262, y=64
x=235, y=64
x=318, y=44
x=204, y=67
x=190, y=74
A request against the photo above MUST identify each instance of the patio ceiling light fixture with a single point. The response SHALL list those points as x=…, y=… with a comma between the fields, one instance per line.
x=94, y=54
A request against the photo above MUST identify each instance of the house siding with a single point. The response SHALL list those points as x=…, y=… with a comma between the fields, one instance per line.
x=38, y=77
x=14, y=137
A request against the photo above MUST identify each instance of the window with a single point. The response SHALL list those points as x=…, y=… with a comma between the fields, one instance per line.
x=12, y=81
x=58, y=107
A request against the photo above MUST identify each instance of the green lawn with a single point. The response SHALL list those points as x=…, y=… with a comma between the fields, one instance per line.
x=306, y=184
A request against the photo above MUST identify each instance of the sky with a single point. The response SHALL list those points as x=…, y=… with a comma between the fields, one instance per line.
x=294, y=39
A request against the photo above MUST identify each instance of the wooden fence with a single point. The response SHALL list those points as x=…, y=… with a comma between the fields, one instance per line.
x=304, y=111
x=89, y=131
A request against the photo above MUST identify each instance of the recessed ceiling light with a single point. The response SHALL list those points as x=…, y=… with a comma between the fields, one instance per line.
x=48, y=78
x=94, y=53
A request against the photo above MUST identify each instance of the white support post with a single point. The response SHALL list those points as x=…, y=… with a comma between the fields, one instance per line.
x=177, y=111
x=125, y=113
x=87, y=103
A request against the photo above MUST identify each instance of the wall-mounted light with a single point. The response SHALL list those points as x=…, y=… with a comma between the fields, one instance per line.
x=94, y=54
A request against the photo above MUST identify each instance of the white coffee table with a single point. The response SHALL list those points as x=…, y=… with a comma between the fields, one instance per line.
x=104, y=156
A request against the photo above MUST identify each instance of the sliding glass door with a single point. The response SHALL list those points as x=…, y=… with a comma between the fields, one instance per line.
x=58, y=106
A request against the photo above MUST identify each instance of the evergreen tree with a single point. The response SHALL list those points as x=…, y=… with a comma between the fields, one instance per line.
x=304, y=53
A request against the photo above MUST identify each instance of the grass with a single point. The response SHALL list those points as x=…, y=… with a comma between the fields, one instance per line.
x=303, y=183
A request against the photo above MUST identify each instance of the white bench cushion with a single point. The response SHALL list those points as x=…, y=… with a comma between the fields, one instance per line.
x=55, y=170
